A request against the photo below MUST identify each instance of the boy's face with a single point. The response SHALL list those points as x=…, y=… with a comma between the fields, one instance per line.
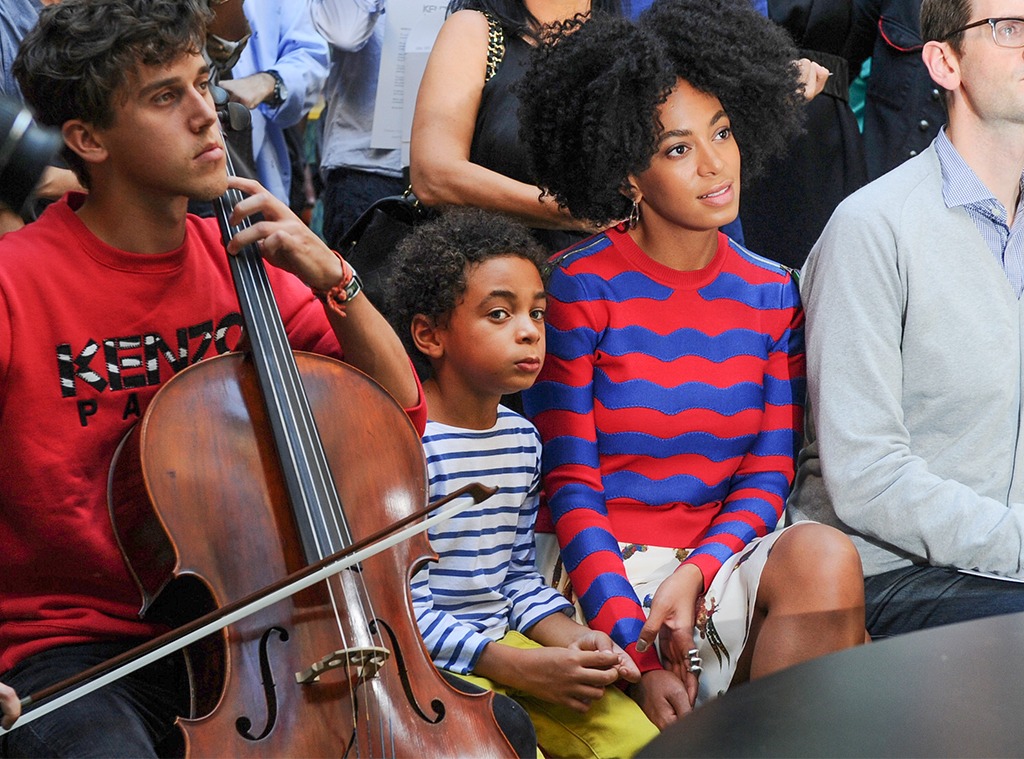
x=165, y=139
x=493, y=340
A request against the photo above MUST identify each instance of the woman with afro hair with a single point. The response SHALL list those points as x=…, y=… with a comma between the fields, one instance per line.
x=671, y=401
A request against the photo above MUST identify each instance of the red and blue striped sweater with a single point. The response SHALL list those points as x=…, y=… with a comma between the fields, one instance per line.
x=671, y=409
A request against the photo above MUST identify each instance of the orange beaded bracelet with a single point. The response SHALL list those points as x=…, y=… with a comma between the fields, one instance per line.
x=348, y=287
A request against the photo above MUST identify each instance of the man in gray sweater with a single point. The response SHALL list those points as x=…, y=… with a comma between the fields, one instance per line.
x=915, y=346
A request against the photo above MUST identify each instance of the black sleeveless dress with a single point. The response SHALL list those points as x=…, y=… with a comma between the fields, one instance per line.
x=784, y=209
x=496, y=144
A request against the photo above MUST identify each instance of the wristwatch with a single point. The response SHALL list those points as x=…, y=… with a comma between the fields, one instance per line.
x=280, y=93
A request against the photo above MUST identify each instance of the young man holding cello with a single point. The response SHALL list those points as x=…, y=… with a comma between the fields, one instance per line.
x=103, y=299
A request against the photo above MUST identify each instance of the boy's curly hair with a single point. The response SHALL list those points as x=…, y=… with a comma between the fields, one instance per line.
x=429, y=277
x=590, y=96
x=83, y=51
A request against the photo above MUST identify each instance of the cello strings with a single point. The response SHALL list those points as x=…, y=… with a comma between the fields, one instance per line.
x=318, y=465
x=262, y=320
x=257, y=289
x=247, y=266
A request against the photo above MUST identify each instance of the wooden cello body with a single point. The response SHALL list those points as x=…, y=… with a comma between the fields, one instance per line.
x=205, y=452
x=235, y=478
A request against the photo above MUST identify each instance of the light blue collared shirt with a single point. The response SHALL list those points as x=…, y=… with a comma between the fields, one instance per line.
x=284, y=40
x=962, y=187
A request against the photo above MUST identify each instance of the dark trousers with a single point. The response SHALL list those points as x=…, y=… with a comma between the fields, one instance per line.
x=127, y=718
x=917, y=597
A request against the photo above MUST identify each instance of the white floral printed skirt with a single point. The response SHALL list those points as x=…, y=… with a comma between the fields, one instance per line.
x=723, y=619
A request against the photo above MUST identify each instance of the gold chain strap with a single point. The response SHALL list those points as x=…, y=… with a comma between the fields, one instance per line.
x=495, y=46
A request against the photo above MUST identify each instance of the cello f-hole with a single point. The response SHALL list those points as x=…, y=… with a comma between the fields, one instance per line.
x=396, y=649
x=244, y=724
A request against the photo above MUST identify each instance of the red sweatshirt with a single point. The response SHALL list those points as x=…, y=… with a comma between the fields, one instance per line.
x=87, y=335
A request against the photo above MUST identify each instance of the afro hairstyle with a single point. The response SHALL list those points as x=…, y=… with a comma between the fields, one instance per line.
x=590, y=96
x=429, y=277
x=588, y=113
x=728, y=49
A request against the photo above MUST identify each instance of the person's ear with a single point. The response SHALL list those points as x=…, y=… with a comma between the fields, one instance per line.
x=426, y=336
x=631, y=190
x=81, y=137
x=943, y=64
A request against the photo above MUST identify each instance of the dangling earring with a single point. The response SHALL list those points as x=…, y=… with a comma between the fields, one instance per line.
x=634, y=216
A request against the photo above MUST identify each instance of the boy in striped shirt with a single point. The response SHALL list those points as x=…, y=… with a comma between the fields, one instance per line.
x=469, y=302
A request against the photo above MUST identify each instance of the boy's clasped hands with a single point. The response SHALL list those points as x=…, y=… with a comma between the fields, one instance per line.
x=572, y=667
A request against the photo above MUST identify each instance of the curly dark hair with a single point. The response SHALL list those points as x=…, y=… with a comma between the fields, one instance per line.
x=590, y=97
x=82, y=52
x=588, y=113
x=731, y=51
x=429, y=277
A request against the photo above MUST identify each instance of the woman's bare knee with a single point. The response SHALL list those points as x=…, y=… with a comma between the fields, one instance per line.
x=817, y=563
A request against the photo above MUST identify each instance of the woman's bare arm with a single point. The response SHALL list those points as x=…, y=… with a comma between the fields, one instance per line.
x=442, y=132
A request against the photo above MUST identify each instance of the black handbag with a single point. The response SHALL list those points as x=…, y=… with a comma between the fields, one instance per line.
x=370, y=243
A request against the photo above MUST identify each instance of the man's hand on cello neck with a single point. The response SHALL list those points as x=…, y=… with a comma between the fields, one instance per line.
x=285, y=241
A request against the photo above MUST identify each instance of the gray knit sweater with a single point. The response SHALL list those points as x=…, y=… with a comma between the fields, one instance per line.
x=915, y=371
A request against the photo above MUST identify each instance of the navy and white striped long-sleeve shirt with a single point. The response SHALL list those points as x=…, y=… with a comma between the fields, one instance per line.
x=486, y=581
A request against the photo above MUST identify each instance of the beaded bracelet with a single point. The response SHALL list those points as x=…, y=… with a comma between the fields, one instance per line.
x=348, y=287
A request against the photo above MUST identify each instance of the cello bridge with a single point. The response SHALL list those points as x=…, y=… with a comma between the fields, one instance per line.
x=366, y=662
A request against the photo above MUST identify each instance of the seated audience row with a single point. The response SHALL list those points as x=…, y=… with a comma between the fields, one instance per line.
x=632, y=565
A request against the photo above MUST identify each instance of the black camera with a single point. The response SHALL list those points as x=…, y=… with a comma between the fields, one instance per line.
x=25, y=150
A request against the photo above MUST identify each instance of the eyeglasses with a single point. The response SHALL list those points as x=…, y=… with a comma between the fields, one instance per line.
x=1006, y=32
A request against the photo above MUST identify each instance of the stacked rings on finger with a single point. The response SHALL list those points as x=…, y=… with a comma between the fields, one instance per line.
x=694, y=659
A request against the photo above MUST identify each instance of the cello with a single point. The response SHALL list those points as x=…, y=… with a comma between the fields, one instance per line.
x=296, y=457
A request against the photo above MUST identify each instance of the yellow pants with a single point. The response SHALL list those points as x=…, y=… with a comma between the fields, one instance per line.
x=614, y=727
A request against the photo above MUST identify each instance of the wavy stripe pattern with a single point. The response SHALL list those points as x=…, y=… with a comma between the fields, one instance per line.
x=670, y=407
